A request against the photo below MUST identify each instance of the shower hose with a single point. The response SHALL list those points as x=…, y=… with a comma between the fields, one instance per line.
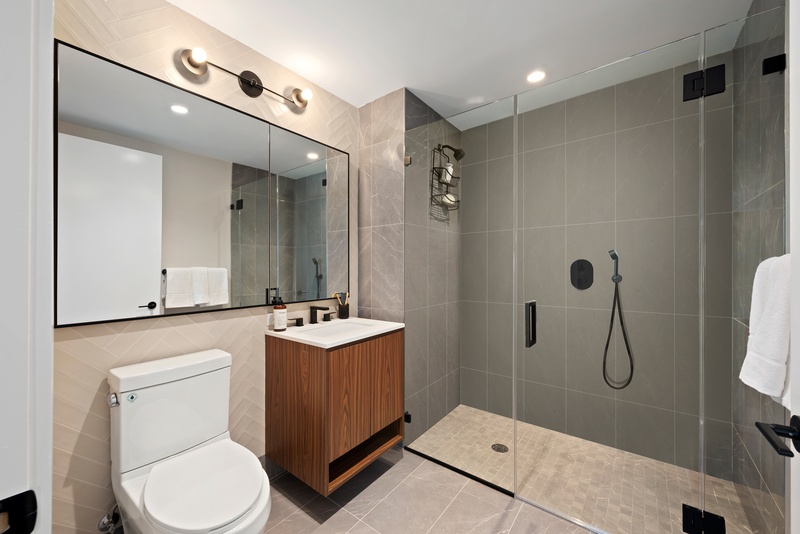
x=617, y=304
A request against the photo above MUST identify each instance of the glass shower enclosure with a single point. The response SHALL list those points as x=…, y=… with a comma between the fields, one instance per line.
x=607, y=199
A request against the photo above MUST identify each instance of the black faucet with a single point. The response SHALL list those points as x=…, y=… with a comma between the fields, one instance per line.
x=314, y=310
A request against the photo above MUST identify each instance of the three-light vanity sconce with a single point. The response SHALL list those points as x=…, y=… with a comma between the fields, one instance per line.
x=196, y=61
x=442, y=177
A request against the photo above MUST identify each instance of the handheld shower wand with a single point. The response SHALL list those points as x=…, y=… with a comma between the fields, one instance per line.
x=617, y=304
x=615, y=257
x=318, y=277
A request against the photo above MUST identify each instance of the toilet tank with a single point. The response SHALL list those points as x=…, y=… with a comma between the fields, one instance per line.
x=167, y=406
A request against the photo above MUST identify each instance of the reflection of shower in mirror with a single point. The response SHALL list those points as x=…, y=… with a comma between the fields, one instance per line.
x=318, y=277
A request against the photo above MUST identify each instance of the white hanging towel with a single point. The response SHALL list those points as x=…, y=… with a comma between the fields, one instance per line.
x=177, y=288
x=200, y=286
x=766, y=364
x=217, y=286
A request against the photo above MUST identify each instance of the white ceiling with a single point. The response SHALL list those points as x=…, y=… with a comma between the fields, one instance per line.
x=454, y=54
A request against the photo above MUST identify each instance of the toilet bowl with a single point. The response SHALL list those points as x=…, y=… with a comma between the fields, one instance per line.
x=173, y=470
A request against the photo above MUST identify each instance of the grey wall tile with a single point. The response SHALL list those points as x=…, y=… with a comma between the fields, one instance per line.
x=501, y=195
x=545, y=406
x=646, y=250
x=388, y=117
x=500, y=265
x=416, y=111
x=645, y=100
x=453, y=390
x=591, y=242
x=453, y=266
x=365, y=187
x=365, y=125
x=365, y=267
x=739, y=337
x=473, y=194
x=453, y=321
x=416, y=352
x=473, y=388
x=687, y=265
x=718, y=165
x=543, y=127
x=437, y=267
x=718, y=449
x=718, y=372
x=474, y=267
x=437, y=343
x=437, y=401
x=474, y=335
x=415, y=244
x=591, y=417
x=500, y=339
x=500, y=138
x=645, y=176
x=587, y=331
x=687, y=165
x=417, y=405
x=651, y=336
x=543, y=268
x=387, y=267
x=687, y=364
x=543, y=187
x=474, y=144
x=590, y=115
x=687, y=441
x=718, y=265
x=499, y=397
x=646, y=431
x=545, y=362
x=590, y=180
x=417, y=184
x=387, y=181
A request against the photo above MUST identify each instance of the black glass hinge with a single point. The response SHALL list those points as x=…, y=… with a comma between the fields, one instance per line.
x=407, y=417
x=696, y=521
x=773, y=64
x=704, y=83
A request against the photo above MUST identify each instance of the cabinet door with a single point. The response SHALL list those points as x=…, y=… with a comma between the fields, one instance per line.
x=387, y=380
x=349, y=397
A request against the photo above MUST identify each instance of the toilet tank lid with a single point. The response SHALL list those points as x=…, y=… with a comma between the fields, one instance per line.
x=146, y=374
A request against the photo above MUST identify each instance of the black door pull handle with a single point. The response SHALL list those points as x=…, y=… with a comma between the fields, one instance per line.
x=773, y=433
x=530, y=324
x=150, y=305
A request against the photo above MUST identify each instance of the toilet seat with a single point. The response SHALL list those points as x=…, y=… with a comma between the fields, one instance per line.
x=203, y=490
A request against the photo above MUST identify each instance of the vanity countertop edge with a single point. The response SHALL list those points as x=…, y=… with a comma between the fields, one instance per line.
x=371, y=328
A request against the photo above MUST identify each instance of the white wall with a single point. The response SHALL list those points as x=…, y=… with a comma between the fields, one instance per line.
x=26, y=360
x=196, y=217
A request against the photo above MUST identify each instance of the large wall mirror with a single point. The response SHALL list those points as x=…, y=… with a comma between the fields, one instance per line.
x=170, y=203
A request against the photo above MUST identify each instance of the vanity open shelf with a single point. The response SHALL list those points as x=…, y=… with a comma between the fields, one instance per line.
x=330, y=412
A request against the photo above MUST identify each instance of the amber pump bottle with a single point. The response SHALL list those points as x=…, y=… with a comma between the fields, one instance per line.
x=279, y=315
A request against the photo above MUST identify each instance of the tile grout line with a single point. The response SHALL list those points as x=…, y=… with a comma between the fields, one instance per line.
x=460, y=491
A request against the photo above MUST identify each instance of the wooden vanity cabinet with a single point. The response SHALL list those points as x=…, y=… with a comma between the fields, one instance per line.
x=331, y=412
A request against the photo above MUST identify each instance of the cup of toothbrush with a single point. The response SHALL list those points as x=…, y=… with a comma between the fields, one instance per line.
x=344, y=305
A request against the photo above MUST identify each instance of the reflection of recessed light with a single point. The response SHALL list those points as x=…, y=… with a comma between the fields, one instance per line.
x=312, y=155
x=536, y=76
x=180, y=110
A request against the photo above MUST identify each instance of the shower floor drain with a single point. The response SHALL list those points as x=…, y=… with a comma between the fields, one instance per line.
x=499, y=447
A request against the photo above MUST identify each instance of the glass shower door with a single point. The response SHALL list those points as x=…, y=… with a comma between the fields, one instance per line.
x=744, y=214
x=608, y=228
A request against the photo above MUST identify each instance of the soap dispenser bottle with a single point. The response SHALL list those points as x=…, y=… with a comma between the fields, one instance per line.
x=279, y=314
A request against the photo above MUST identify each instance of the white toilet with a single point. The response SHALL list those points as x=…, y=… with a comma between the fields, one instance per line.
x=174, y=467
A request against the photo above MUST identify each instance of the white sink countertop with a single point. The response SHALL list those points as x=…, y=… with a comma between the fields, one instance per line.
x=336, y=332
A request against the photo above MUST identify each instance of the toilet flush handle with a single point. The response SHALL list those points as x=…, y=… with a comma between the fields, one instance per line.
x=112, y=400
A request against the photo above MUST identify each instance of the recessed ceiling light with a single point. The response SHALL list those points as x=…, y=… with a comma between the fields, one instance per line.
x=312, y=155
x=536, y=76
x=180, y=110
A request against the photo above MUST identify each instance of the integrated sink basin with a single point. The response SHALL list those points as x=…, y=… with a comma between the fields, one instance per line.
x=337, y=332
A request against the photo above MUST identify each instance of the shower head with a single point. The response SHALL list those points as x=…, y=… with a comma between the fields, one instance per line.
x=316, y=262
x=458, y=153
x=615, y=258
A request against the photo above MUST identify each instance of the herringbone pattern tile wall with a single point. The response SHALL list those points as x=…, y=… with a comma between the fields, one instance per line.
x=145, y=35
